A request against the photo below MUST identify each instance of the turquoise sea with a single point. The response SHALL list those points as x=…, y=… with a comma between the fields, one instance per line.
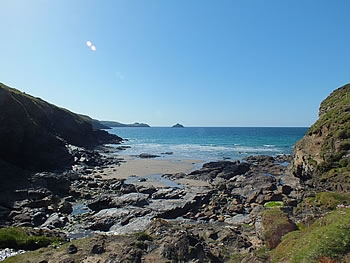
x=209, y=143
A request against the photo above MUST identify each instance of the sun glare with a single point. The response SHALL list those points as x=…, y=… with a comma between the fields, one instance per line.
x=90, y=45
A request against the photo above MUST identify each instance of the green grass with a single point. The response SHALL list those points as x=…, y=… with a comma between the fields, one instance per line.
x=327, y=237
x=324, y=201
x=142, y=236
x=335, y=119
x=273, y=204
x=18, y=238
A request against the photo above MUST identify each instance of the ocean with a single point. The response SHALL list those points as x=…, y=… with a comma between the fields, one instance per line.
x=209, y=143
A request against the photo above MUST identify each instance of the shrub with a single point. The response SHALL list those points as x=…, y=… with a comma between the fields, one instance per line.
x=142, y=236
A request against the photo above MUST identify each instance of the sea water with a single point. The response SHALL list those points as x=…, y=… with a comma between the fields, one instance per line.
x=209, y=143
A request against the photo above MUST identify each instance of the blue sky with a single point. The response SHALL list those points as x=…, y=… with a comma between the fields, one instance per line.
x=197, y=62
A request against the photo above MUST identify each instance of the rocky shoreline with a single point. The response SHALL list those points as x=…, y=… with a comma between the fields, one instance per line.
x=226, y=211
x=82, y=202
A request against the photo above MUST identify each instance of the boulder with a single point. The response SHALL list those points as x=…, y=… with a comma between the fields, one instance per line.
x=133, y=199
x=56, y=220
x=100, y=202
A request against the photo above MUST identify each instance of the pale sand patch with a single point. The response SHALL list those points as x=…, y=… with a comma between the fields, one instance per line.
x=142, y=167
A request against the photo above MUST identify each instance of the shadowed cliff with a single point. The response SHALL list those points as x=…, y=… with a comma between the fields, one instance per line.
x=34, y=133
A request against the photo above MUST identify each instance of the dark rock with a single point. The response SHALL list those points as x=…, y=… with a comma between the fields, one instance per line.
x=55, y=221
x=222, y=169
x=102, y=224
x=56, y=183
x=72, y=249
x=65, y=207
x=38, y=218
x=115, y=185
x=40, y=203
x=259, y=159
x=21, y=218
x=122, y=148
x=168, y=193
x=4, y=214
x=178, y=125
x=134, y=199
x=99, y=203
x=286, y=189
x=146, y=190
x=148, y=155
x=167, y=153
x=175, y=247
x=98, y=249
x=128, y=188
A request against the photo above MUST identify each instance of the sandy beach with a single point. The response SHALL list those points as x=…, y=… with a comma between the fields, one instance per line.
x=134, y=168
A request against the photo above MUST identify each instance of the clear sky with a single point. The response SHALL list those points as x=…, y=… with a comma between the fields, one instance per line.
x=196, y=62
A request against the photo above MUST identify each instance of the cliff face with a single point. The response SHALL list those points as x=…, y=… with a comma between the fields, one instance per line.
x=322, y=156
x=34, y=133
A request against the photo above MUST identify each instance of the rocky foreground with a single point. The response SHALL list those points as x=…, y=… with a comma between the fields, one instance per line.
x=180, y=223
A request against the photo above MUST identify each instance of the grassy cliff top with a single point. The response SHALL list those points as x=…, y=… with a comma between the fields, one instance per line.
x=334, y=126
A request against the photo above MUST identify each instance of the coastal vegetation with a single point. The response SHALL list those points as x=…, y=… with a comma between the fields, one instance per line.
x=25, y=238
x=334, y=125
x=273, y=204
x=327, y=239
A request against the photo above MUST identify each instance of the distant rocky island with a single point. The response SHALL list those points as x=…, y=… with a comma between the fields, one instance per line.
x=118, y=124
x=54, y=191
x=178, y=125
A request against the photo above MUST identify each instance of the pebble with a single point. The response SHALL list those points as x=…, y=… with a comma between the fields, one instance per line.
x=9, y=252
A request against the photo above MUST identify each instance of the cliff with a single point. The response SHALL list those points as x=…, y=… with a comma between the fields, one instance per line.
x=34, y=133
x=321, y=158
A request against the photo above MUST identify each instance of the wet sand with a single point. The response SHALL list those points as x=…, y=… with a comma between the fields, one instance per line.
x=131, y=166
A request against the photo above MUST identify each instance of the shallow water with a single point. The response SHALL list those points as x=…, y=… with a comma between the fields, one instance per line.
x=153, y=177
x=80, y=209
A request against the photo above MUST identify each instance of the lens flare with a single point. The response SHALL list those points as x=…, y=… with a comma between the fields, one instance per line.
x=88, y=43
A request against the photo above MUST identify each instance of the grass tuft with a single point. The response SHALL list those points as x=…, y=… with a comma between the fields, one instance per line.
x=18, y=238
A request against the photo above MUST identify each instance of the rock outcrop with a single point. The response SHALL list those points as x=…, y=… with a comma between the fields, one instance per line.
x=177, y=125
x=321, y=158
x=34, y=134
